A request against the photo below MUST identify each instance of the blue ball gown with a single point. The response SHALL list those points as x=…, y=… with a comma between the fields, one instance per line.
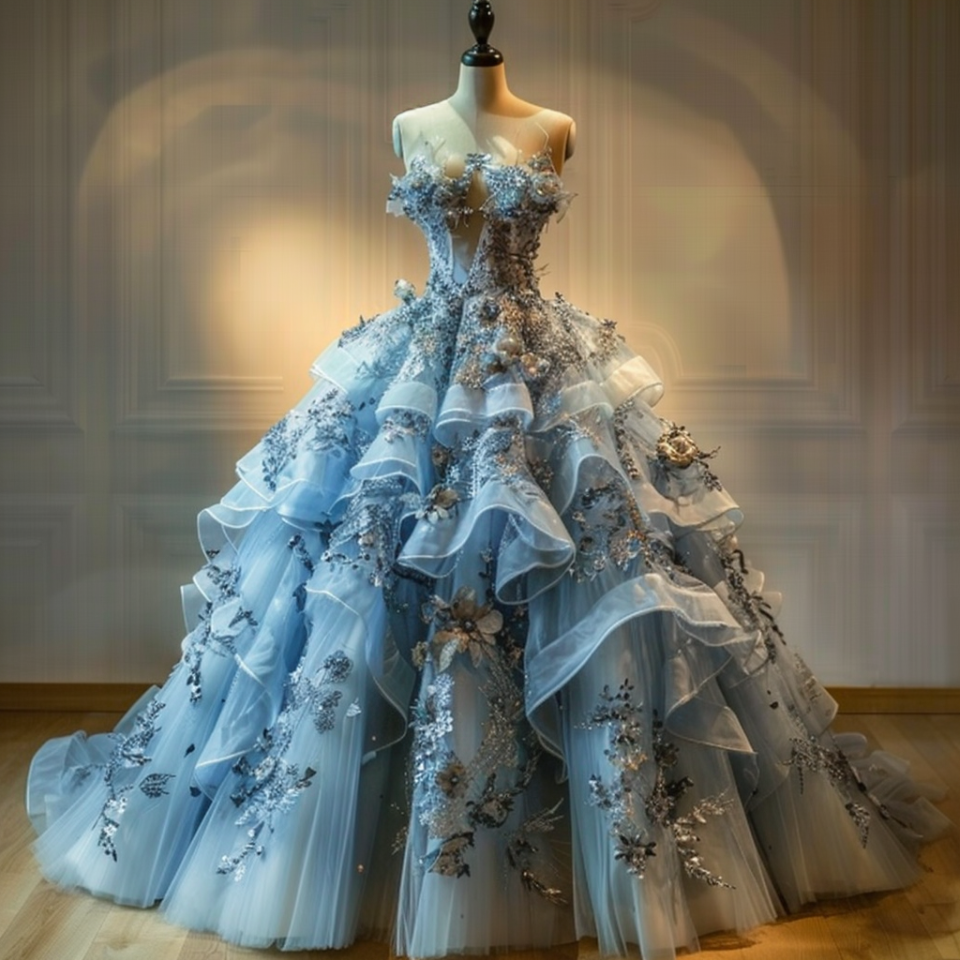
x=475, y=661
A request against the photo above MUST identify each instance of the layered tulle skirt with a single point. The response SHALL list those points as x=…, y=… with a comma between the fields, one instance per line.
x=476, y=662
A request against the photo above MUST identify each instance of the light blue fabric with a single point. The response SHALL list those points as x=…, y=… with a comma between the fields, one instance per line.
x=475, y=661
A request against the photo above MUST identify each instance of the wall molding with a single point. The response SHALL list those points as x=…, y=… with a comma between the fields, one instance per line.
x=40, y=553
x=926, y=352
x=43, y=392
x=118, y=697
x=159, y=390
x=810, y=181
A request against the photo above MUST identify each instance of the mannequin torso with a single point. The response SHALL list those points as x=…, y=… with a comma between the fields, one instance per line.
x=482, y=116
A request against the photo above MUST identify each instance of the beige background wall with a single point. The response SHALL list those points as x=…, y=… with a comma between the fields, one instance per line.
x=191, y=208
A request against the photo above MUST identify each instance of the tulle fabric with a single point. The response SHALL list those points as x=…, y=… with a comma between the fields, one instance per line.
x=522, y=546
x=277, y=901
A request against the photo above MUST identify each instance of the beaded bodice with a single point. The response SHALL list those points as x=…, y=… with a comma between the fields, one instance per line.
x=520, y=200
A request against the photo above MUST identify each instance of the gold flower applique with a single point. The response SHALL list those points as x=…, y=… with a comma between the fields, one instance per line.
x=463, y=626
x=439, y=504
x=676, y=449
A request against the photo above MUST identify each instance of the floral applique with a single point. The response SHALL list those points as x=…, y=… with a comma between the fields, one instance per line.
x=751, y=610
x=641, y=790
x=522, y=853
x=404, y=423
x=130, y=753
x=608, y=528
x=496, y=453
x=270, y=785
x=621, y=417
x=439, y=504
x=327, y=419
x=678, y=458
x=676, y=451
x=280, y=445
x=299, y=547
x=463, y=626
x=608, y=341
x=809, y=753
x=368, y=538
x=215, y=633
x=453, y=797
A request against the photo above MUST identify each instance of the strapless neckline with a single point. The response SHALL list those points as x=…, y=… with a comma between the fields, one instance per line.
x=479, y=158
x=520, y=198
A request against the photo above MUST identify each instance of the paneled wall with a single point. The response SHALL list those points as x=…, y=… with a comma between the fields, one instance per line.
x=191, y=208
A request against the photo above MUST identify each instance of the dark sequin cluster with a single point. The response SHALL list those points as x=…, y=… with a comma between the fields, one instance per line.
x=641, y=799
x=268, y=784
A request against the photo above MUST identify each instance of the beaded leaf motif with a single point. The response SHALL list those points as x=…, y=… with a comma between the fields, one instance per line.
x=269, y=785
x=642, y=790
x=130, y=753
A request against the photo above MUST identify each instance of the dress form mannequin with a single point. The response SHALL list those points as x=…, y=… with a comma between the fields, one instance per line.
x=481, y=116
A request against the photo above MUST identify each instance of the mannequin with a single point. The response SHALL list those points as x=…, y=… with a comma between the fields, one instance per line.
x=481, y=116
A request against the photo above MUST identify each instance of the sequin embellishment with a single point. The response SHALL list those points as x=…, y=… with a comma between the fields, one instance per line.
x=130, y=753
x=269, y=785
x=222, y=619
x=809, y=753
x=455, y=798
x=640, y=801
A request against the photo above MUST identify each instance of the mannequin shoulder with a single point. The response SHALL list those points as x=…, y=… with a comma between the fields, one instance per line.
x=418, y=126
x=561, y=133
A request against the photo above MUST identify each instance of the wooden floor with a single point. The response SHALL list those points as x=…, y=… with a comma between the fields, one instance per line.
x=39, y=922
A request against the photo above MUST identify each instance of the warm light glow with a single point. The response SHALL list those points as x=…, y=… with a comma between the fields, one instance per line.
x=720, y=145
x=261, y=292
x=238, y=249
x=710, y=265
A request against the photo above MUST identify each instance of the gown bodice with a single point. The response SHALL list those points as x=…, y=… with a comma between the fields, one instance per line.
x=519, y=201
x=482, y=311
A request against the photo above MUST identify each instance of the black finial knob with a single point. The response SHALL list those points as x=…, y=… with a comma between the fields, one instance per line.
x=481, y=54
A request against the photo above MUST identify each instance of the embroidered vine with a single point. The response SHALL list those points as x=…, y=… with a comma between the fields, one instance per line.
x=456, y=797
x=750, y=608
x=641, y=800
x=221, y=621
x=809, y=753
x=268, y=784
x=129, y=754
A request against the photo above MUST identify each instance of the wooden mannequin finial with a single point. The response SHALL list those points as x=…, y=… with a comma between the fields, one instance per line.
x=481, y=54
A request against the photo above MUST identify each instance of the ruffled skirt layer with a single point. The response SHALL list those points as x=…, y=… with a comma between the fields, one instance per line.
x=475, y=667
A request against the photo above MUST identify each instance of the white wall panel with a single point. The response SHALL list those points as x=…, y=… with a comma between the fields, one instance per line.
x=39, y=557
x=155, y=546
x=923, y=596
x=224, y=222
x=807, y=545
x=192, y=207
x=38, y=348
x=744, y=170
x=926, y=201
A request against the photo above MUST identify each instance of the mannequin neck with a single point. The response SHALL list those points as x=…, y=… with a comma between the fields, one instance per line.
x=482, y=89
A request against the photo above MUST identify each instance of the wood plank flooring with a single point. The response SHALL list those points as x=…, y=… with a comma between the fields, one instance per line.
x=40, y=922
